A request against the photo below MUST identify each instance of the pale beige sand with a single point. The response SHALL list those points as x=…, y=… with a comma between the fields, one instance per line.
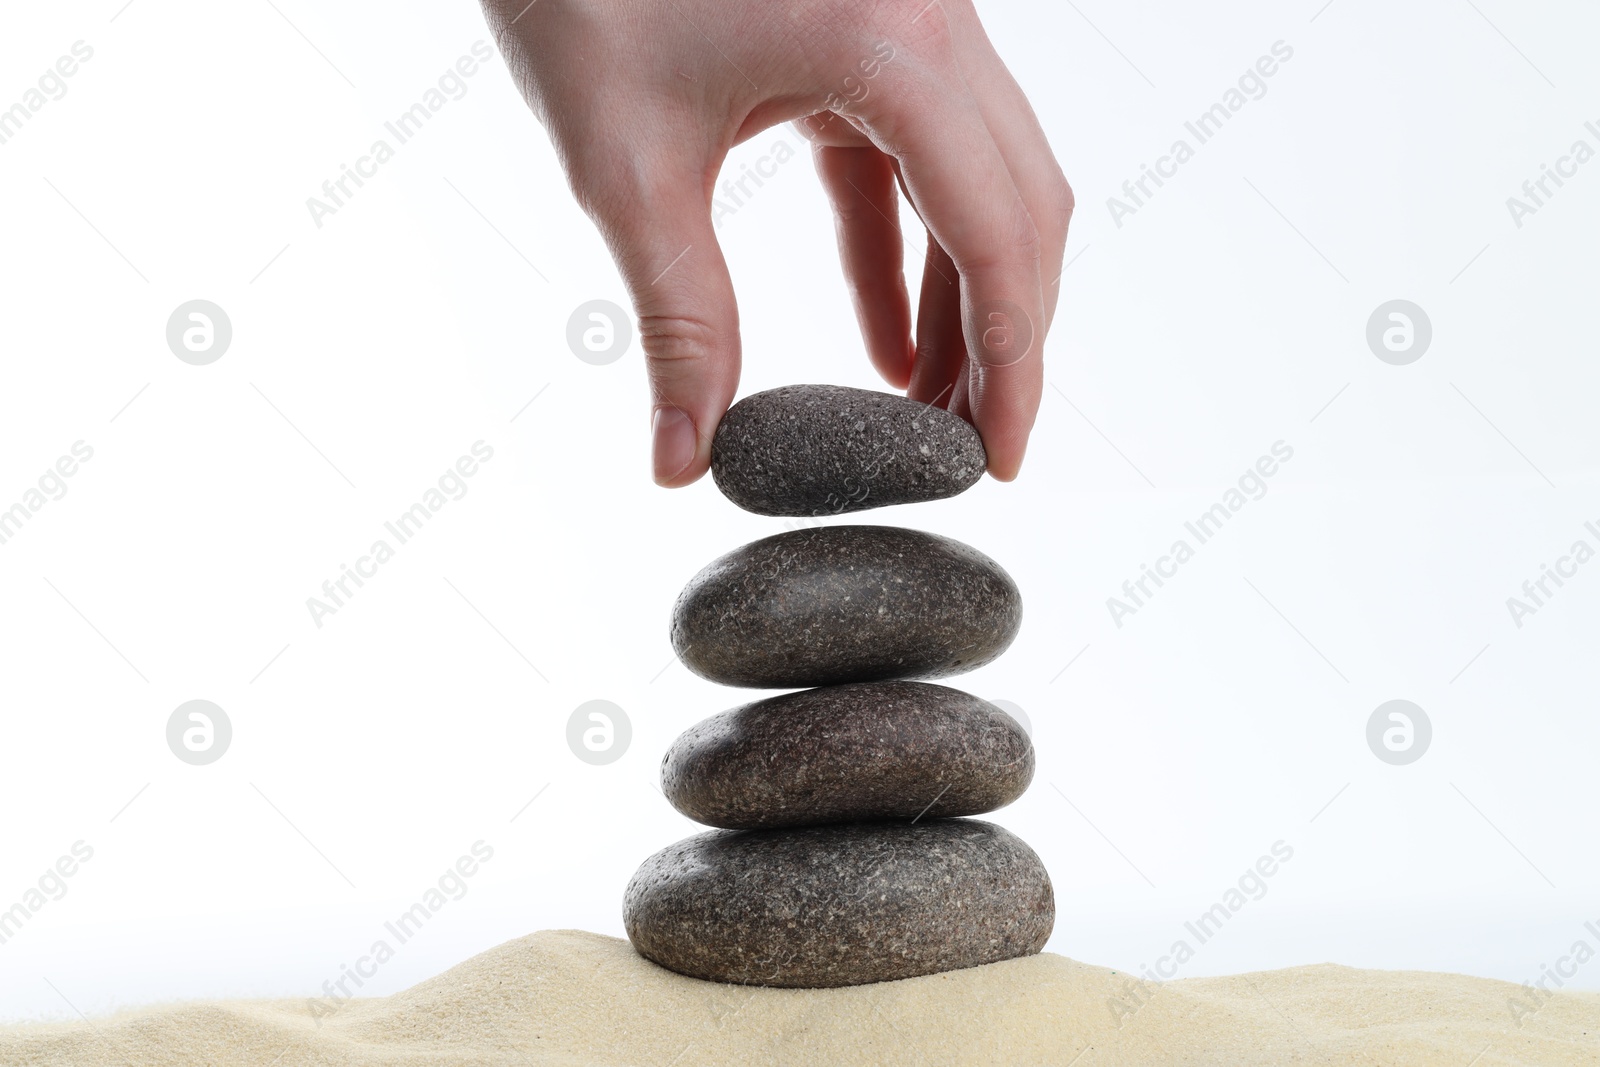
x=576, y=998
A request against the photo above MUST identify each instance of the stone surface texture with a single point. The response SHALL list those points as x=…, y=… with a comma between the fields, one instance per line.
x=843, y=604
x=826, y=450
x=871, y=750
x=843, y=905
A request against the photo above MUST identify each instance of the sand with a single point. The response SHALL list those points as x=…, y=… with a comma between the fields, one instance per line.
x=567, y=997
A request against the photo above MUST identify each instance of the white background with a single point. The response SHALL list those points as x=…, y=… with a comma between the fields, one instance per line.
x=1224, y=316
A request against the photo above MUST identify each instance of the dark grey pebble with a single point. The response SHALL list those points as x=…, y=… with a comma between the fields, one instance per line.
x=840, y=905
x=871, y=750
x=845, y=604
x=826, y=450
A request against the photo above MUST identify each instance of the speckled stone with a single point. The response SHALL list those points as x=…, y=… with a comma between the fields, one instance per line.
x=839, y=905
x=845, y=604
x=872, y=750
x=826, y=450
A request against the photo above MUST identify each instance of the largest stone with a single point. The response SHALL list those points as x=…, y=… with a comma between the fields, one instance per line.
x=827, y=449
x=839, y=905
x=845, y=604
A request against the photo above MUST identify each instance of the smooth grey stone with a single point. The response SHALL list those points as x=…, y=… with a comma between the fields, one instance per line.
x=870, y=750
x=841, y=905
x=826, y=450
x=845, y=604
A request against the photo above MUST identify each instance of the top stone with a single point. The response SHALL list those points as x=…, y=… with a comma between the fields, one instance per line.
x=825, y=450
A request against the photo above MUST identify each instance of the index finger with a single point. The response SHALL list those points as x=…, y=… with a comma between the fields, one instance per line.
x=956, y=175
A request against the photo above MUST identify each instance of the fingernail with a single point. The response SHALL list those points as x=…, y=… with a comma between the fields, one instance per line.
x=673, y=443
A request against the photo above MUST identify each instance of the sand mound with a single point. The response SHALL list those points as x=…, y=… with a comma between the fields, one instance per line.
x=569, y=997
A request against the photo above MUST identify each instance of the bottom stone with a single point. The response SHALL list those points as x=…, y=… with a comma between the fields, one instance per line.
x=842, y=905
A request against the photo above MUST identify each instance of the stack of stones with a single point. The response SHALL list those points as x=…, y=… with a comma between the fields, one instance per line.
x=843, y=855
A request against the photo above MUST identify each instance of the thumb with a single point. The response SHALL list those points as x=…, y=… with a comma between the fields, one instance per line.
x=660, y=234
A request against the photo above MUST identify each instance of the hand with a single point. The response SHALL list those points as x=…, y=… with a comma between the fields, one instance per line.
x=643, y=101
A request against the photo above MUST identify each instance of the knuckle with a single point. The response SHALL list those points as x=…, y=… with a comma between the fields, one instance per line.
x=922, y=24
x=851, y=210
x=677, y=345
x=602, y=180
x=931, y=48
x=1025, y=237
x=875, y=290
x=890, y=30
x=1064, y=199
x=1012, y=240
x=847, y=213
x=849, y=15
